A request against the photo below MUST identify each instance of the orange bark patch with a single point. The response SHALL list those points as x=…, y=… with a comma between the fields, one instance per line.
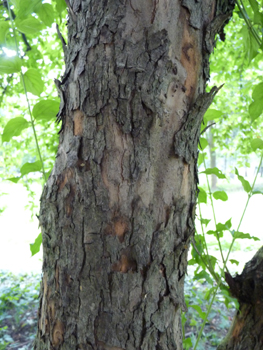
x=120, y=228
x=78, y=122
x=125, y=264
x=58, y=333
x=190, y=55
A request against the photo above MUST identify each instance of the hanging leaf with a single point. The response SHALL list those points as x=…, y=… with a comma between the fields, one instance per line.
x=212, y=114
x=256, y=143
x=46, y=14
x=202, y=143
x=35, y=247
x=214, y=171
x=30, y=168
x=201, y=158
x=29, y=26
x=9, y=65
x=245, y=183
x=46, y=110
x=250, y=44
x=4, y=28
x=33, y=81
x=14, y=128
x=202, y=195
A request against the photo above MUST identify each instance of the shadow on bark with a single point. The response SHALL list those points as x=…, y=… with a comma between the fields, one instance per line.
x=246, y=332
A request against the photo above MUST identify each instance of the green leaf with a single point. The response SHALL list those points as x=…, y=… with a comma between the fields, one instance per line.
x=202, y=143
x=46, y=110
x=201, y=158
x=60, y=5
x=258, y=92
x=4, y=27
x=255, y=109
x=202, y=195
x=214, y=171
x=29, y=26
x=187, y=343
x=25, y=7
x=224, y=227
x=205, y=221
x=14, y=179
x=256, y=143
x=35, y=247
x=257, y=14
x=14, y=128
x=241, y=235
x=212, y=114
x=9, y=65
x=257, y=192
x=46, y=14
x=199, y=310
x=250, y=43
x=203, y=275
x=33, y=81
x=30, y=168
x=233, y=261
x=245, y=183
x=220, y=195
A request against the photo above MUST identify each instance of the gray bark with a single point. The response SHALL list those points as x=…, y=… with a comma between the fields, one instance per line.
x=118, y=210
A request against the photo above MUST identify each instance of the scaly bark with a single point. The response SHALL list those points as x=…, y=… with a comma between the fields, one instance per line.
x=118, y=210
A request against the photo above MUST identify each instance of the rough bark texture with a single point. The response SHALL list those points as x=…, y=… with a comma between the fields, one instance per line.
x=118, y=210
x=246, y=331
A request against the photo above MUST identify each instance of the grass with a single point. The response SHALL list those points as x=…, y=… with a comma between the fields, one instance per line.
x=18, y=310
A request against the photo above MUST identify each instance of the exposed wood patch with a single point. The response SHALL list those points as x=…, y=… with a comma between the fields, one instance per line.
x=58, y=334
x=78, y=117
x=190, y=55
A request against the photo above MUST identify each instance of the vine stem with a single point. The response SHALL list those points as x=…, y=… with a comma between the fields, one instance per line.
x=28, y=103
x=214, y=215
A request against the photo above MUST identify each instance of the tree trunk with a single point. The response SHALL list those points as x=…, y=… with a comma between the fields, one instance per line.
x=246, y=331
x=118, y=210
